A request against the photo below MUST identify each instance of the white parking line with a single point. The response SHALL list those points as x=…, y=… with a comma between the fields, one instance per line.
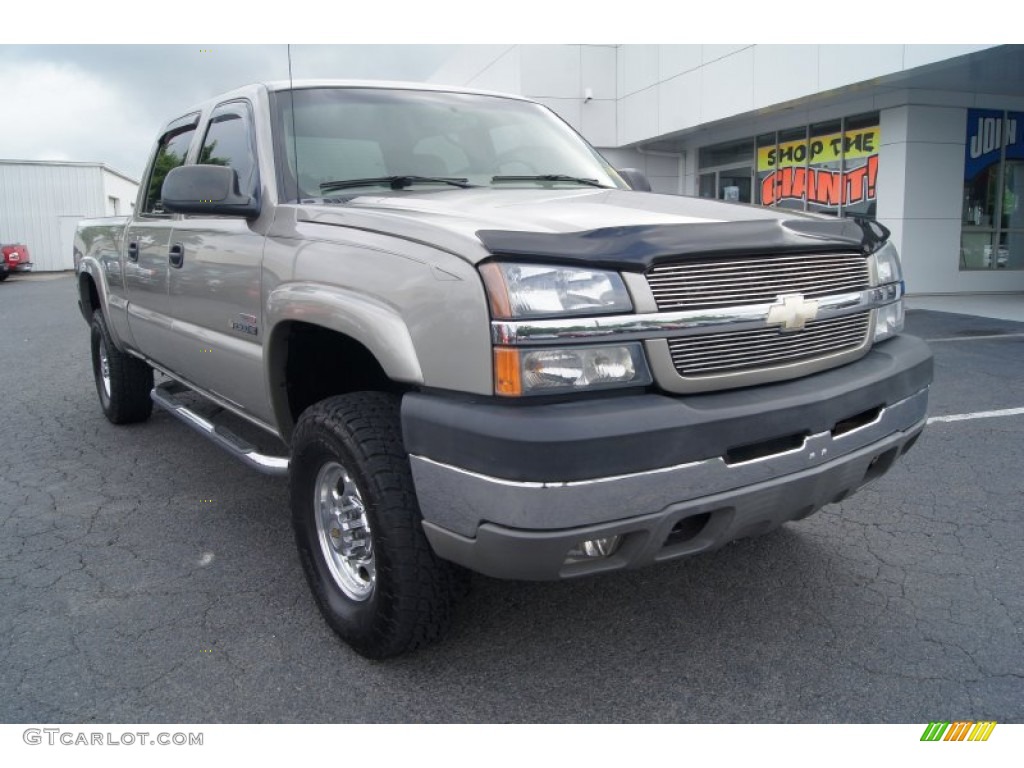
x=977, y=338
x=978, y=415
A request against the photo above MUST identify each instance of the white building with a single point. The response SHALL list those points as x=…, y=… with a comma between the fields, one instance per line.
x=42, y=202
x=928, y=139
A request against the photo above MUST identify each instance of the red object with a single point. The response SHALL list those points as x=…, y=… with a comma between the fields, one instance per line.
x=14, y=258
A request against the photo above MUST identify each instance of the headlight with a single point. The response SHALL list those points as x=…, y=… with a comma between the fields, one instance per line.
x=887, y=264
x=888, y=319
x=568, y=369
x=536, y=290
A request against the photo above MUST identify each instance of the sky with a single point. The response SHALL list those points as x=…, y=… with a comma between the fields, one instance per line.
x=107, y=103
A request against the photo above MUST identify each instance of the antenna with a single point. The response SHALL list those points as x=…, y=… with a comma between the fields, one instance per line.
x=295, y=141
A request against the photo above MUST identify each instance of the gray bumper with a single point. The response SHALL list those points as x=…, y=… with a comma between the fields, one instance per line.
x=660, y=514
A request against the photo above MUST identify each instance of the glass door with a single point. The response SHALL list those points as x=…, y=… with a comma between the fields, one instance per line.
x=733, y=184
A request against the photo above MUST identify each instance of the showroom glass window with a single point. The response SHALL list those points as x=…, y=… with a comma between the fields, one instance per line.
x=828, y=167
x=992, y=220
x=727, y=171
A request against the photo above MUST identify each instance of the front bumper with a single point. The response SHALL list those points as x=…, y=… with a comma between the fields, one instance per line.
x=678, y=530
x=672, y=476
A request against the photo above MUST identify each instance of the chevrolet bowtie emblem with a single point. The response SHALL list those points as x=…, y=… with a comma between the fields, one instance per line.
x=792, y=311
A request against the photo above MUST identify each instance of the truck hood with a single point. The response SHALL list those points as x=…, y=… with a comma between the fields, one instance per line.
x=614, y=228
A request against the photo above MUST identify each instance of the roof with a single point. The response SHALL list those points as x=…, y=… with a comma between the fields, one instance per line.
x=248, y=90
x=65, y=163
x=285, y=85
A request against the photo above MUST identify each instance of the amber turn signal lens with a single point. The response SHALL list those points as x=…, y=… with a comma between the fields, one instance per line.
x=507, y=379
x=497, y=291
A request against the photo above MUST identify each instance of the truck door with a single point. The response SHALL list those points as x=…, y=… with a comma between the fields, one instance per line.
x=147, y=243
x=214, y=277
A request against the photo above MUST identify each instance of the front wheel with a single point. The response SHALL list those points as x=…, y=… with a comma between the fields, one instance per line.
x=357, y=525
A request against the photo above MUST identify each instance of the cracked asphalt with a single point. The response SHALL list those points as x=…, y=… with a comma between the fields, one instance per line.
x=147, y=577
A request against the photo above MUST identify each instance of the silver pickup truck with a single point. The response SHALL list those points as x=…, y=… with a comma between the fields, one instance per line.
x=482, y=347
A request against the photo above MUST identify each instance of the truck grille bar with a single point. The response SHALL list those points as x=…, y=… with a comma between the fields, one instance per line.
x=737, y=351
x=755, y=280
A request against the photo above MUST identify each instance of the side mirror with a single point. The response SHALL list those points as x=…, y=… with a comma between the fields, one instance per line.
x=206, y=189
x=636, y=180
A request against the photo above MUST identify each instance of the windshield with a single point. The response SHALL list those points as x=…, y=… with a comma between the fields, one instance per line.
x=336, y=140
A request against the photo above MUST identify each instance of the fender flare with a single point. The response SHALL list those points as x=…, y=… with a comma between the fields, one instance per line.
x=373, y=323
x=90, y=267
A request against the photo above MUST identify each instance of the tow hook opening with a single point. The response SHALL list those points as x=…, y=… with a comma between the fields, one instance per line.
x=861, y=419
x=765, y=448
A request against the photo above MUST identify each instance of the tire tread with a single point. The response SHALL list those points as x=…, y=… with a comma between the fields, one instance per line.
x=131, y=380
x=417, y=589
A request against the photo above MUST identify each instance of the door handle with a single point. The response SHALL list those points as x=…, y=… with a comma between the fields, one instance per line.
x=176, y=255
x=133, y=251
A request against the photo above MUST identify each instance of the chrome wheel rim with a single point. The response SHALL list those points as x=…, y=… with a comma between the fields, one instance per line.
x=104, y=368
x=344, y=531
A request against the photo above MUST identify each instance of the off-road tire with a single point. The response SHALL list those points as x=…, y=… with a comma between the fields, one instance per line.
x=410, y=601
x=129, y=379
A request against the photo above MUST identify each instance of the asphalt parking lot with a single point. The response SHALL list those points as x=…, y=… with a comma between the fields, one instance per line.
x=147, y=577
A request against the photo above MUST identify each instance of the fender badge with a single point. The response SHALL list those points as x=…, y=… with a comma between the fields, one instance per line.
x=245, y=324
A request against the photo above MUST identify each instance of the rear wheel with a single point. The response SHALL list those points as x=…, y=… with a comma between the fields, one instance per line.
x=122, y=381
x=357, y=525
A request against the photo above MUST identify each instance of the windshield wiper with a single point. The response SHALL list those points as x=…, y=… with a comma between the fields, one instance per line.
x=395, y=182
x=553, y=177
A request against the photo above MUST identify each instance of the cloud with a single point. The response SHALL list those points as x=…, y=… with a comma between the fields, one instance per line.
x=106, y=103
x=56, y=111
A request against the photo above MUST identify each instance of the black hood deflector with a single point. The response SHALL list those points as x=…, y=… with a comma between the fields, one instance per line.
x=636, y=249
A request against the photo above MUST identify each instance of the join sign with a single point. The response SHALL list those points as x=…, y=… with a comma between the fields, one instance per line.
x=988, y=132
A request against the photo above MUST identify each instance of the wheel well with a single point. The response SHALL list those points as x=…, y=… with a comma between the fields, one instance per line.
x=89, y=296
x=319, y=363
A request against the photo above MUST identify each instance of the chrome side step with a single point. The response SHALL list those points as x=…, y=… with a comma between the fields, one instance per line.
x=163, y=395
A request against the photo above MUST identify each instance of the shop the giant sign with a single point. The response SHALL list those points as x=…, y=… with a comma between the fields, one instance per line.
x=792, y=173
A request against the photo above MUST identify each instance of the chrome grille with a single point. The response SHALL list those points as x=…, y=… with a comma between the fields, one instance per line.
x=737, y=351
x=755, y=280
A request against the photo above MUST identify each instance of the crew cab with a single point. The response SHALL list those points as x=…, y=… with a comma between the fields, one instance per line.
x=484, y=348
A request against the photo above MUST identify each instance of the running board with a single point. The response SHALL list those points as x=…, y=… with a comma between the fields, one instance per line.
x=163, y=395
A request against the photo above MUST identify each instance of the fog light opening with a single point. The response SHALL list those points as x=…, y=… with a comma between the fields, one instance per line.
x=687, y=529
x=594, y=549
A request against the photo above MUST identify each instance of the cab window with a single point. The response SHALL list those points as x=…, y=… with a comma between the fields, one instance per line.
x=171, y=152
x=229, y=142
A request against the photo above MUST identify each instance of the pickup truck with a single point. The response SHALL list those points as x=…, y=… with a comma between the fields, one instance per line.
x=482, y=348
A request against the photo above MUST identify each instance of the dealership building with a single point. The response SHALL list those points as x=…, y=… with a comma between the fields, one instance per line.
x=926, y=139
